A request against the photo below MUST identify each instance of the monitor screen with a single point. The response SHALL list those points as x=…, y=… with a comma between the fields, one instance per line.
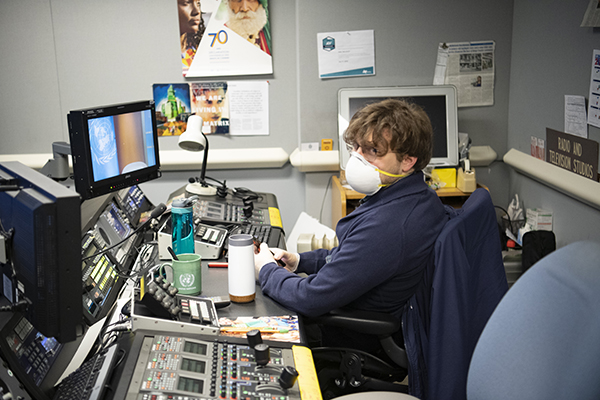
x=439, y=102
x=113, y=147
x=40, y=221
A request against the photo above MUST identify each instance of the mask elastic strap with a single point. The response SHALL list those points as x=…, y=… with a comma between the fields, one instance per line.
x=388, y=174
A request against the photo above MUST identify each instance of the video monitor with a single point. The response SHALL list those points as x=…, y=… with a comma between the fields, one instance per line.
x=113, y=147
x=439, y=102
x=40, y=223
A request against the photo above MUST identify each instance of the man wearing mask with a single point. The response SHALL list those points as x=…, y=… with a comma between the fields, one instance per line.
x=386, y=243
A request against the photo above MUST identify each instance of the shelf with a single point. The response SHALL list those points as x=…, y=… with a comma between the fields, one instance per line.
x=181, y=160
x=582, y=189
x=315, y=161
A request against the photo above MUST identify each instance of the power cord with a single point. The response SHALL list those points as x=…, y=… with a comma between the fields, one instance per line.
x=324, y=197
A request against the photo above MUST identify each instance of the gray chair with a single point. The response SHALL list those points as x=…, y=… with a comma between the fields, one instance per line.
x=543, y=339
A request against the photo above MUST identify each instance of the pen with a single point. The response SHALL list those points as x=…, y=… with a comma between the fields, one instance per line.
x=217, y=265
x=172, y=253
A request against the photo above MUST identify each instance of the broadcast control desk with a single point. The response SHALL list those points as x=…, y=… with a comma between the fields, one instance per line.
x=164, y=365
x=165, y=361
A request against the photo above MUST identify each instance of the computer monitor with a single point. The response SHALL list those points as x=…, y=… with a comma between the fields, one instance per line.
x=113, y=147
x=41, y=229
x=439, y=102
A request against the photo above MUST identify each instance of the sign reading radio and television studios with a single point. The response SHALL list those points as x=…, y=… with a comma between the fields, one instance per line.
x=574, y=153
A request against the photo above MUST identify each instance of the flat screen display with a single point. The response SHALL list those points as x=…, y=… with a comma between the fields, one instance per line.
x=121, y=143
x=113, y=147
x=439, y=102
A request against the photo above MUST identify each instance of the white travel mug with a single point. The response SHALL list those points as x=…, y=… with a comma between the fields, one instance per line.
x=242, y=286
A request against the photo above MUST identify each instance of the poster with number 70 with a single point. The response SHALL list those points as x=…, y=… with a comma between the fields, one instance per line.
x=225, y=37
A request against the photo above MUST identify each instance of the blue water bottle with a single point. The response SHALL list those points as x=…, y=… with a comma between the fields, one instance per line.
x=182, y=221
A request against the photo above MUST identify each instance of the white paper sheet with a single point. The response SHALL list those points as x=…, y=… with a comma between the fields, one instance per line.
x=575, y=120
x=249, y=107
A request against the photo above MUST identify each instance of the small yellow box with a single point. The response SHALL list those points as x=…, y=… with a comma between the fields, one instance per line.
x=326, y=144
x=446, y=175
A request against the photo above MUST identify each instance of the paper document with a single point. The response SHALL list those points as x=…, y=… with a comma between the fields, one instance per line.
x=249, y=107
x=575, y=121
x=594, y=103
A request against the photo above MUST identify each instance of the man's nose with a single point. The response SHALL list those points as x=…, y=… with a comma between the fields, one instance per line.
x=245, y=6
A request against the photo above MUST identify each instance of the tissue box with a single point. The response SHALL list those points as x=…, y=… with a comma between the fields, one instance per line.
x=539, y=219
x=446, y=175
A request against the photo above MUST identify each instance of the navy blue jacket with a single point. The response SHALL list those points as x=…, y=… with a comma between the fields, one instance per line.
x=384, y=246
x=446, y=316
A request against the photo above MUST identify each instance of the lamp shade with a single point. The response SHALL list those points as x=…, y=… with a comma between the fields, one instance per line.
x=193, y=139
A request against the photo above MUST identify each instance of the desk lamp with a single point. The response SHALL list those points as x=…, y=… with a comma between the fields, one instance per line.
x=194, y=140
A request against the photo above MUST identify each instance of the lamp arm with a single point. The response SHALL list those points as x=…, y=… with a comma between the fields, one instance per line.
x=204, y=161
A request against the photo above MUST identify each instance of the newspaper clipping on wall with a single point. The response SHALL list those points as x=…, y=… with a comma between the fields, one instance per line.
x=470, y=67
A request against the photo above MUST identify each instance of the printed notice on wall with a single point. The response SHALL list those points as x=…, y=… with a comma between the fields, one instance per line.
x=575, y=121
x=470, y=67
x=344, y=54
x=594, y=104
x=249, y=107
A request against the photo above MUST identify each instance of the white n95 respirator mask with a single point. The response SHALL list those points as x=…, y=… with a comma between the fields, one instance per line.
x=363, y=176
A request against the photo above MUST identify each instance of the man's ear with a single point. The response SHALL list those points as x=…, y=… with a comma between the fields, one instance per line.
x=408, y=163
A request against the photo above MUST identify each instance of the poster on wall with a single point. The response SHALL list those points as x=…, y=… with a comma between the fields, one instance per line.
x=224, y=37
x=173, y=107
x=210, y=101
x=234, y=107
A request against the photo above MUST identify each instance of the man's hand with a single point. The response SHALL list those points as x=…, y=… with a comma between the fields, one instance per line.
x=262, y=258
x=291, y=260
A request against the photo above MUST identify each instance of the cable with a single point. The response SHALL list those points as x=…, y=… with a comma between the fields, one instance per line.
x=324, y=197
x=157, y=212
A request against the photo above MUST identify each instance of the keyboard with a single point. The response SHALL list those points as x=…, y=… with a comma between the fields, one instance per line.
x=271, y=235
x=260, y=232
x=90, y=379
x=225, y=212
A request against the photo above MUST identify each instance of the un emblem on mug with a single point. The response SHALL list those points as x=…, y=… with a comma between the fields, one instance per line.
x=185, y=273
x=187, y=281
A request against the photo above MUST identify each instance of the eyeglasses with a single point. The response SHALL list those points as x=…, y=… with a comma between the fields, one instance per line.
x=368, y=152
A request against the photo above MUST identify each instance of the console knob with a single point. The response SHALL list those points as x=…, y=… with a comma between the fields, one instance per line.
x=288, y=377
x=254, y=337
x=262, y=354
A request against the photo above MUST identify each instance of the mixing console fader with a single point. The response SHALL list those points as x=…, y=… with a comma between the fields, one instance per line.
x=204, y=367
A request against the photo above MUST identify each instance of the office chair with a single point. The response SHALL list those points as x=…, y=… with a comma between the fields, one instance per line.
x=441, y=323
x=543, y=339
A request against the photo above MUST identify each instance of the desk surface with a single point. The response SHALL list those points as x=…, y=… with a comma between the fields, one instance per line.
x=215, y=283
